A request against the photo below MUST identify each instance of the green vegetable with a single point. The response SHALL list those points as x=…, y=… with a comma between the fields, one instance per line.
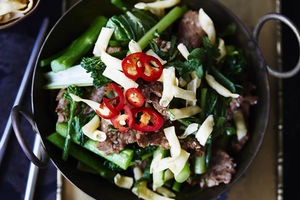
x=131, y=25
x=207, y=54
x=79, y=136
x=47, y=61
x=72, y=76
x=168, y=183
x=222, y=79
x=119, y=54
x=220, y=122
x=235, y=62
x=185, y=68
x=226, y=136
x=112, y=166
x=176, y=186
x=147, y=175
x=119, y=4
x=80, y=46
x=211, y=101
x=230, y=130
x=208, y=152
x=199, y=167
x=187, y=121
x=83, y=156
x=73, y=104
x=198, y=59
x=184, y=173
x=164, y=23
x=143, y=153
x=96, y=67
x=159, y=177
x=120, y=33
x=203, y=93
x=122, y=159
x=154, y=46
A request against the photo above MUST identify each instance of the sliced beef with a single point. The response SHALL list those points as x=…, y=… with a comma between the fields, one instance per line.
x=104, y=126
x=91, y=93
x=220, y=170
x=236, y=145
x=111, y=49
x=60, y=108
x=192, y=146
x=96, y=95
x=150, y=88
x=152, y=92
x=152, y=138
x=155, y=103
x=163, y=44
x=190, y=31
x=243, y=102
x=116, y=141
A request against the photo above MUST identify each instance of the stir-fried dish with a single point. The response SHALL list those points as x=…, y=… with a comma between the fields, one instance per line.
x=153, y=99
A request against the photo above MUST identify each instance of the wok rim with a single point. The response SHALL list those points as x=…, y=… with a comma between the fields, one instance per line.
x=236, y=177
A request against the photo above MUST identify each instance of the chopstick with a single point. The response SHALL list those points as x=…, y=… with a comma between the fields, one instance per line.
x=33, y=170
x=23, y=85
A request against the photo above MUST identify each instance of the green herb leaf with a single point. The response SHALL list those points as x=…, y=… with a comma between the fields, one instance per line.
x=203, y=57
x=234, y=62
x=96, y=66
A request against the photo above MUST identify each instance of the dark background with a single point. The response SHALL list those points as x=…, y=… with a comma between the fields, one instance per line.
x=15, y=47
x=291, y=106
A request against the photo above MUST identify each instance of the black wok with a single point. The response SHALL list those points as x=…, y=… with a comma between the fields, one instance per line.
x=71, y=25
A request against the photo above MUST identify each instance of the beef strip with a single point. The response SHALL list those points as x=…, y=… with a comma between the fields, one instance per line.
x=104, y=126
x=194, y=145
x=92, y=94
x=243, y=103
x=163, y=44
x=190, y=31
x=148, y=88
x=162, y=110
x=111, y=49
x=236, y=145
x=152, y=138
x=152, y=92
x=96, y=95
x=60, y=108
x=116, y=141
x=220, y=170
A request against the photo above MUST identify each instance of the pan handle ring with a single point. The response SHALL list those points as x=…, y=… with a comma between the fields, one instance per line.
x=293, y=27
x=20, y=136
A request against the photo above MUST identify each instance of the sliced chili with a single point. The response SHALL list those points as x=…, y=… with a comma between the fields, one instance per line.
x=129, y=65
x=135, y=97
x=147, y=120
x=151, y=69
x=109, y=104
x=114, y=87
x=105, y=112
x=123, y=122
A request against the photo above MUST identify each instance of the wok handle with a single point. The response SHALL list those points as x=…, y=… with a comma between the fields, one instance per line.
x=20, y=136
x=293, y=27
